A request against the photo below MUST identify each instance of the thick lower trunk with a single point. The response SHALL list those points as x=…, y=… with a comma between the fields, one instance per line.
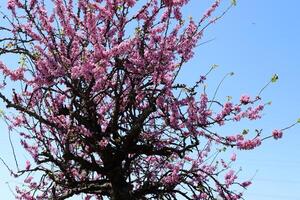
x=121, y=193
x=121, y=190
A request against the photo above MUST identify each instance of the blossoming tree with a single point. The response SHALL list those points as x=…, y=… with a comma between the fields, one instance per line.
x=100, y=109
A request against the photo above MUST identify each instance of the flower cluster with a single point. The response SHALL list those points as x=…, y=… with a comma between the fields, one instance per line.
x=245, y=99
x=277, y=134
x=249, y=144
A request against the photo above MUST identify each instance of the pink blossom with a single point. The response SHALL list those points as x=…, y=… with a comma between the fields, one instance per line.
x=246, y=183
x=103, y=143
x=233, y=157
x=28, y=179
x=28, y=165
x=245, y=99
x=249, y=144
x=277, y=134
x=230, y=178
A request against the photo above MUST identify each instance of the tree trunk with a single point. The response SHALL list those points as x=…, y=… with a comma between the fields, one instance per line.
x=121, y=193
x=121, y=190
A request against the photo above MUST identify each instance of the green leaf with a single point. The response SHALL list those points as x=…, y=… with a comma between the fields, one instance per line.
x=223, y=149
x=36, y=55
x=245, y=131
x=298, y=121
x=274, y=78
x=229, y=98
x=214, y=66
x=9, y=45
x=22, y=60
x=233, y=2
x=138, y=30
x=61, y=32
x=2, y=113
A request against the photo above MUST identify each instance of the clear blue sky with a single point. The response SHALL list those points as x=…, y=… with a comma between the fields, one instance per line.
x=255, y=39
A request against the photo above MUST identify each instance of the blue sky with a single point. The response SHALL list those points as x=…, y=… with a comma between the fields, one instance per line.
x=255, y=39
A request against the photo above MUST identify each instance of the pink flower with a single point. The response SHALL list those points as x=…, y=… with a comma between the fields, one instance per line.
x=172, y=178
x=88, y=197
x=246, y=183
x=248, y=144
x=245, y=99
x=28, y=179
x=277, y=134
x=28, y=165
x=103, y=143
x=230, y=177
x=233, y=157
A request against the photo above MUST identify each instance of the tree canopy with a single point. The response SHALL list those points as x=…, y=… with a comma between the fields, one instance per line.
x=100, y=108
